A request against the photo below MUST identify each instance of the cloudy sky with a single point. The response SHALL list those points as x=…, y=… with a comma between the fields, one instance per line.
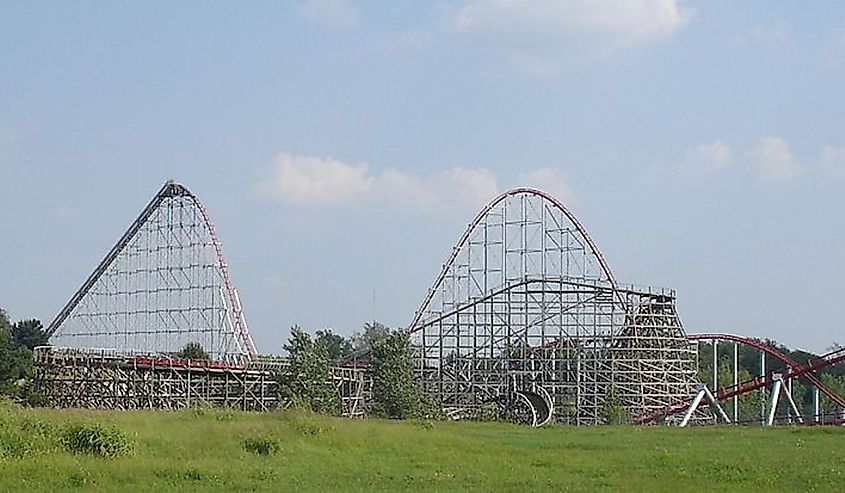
x=342, y=147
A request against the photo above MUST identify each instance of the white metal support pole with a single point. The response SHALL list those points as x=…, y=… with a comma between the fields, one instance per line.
x=789, y=393
x=773, y=406
x=695, y=402
x=793, y=406
x=762, y=390
x=736, y=381
x=816, y=416
x=720, y=412
x=715, y=363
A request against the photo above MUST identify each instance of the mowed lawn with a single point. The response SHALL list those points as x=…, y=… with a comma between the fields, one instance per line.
x=203, y=450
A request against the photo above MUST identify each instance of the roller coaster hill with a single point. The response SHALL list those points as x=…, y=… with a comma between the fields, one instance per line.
x=525, y=319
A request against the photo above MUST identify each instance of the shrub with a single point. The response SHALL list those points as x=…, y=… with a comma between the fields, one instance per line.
x=13, y=445
x=614, y=411
x=262, y=445
x=194, y=351
x=85, y=438
x=306, y=425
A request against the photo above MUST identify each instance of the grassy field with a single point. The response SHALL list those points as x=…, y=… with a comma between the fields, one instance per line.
x=207, y=450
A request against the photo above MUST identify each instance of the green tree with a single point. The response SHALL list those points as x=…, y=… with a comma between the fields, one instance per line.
x=306, y=382
x=395, y=393
x=613, y=410
x=337, y=346
x=193, y=350
x=375, y=331
x=29, y=333
x=5, y=323
x=836, y=384
x=15, y=361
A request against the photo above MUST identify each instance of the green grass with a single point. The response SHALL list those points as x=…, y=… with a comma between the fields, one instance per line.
x=207, y=450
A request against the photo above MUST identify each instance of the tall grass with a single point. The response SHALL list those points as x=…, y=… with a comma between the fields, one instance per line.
x=217, y=450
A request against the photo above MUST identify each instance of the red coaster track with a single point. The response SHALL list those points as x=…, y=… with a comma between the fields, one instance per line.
x=794, y=370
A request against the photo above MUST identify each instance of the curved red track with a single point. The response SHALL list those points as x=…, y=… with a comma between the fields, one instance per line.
x=758, y=382
x=791, y=363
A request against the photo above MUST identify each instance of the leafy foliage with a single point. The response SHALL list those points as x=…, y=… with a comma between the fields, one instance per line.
x=306, y=382
x=86, y=438
x=195, y=351
x=835, y=384
x=374, y=331
x=337, y=347
x=265, y=445
x=16, y=342
x=28, y=333
x=15, y=364
x=5, y=323
x=395, y=394
x=613, y=410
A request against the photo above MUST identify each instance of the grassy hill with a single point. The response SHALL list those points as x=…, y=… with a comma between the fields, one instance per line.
x=213, y=450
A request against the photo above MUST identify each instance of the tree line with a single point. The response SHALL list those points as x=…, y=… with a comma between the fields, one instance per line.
x=17, y=340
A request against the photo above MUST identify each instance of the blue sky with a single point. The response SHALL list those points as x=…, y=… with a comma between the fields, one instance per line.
x=342, y=147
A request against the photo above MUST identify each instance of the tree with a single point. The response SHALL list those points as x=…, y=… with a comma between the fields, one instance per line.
x=5, y=324
x=337, y=346
x=195, y=351
x=307, y=382
x=29, y=333
x=395, y=393
x=15, y=361
x=372, y=332
x=613, y=410
x=835, y=384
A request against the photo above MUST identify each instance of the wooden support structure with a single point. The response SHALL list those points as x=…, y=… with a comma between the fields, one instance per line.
x=103, y=379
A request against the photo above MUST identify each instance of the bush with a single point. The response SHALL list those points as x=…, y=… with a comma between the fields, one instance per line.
x=13, y=445
x=262, y=445
x=306, y=425
x=85, y=438
x=194, y=351
x=614, y=411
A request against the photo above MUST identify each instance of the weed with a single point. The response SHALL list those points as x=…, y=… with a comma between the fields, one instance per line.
x=13, y=445
x=79, y=479
x=225, y=415
x=425, y=424
x=262, y=445
x=306, y=425
x=95, y=439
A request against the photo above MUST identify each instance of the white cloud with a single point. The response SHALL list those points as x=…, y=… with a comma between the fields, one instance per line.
x=474, y=185
x=325, y=181
x=548, y=180
x=774, y=160
x=335, y=13
x=307, y=180
x=708, y=157
x=833, y=161
x=546, y=35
